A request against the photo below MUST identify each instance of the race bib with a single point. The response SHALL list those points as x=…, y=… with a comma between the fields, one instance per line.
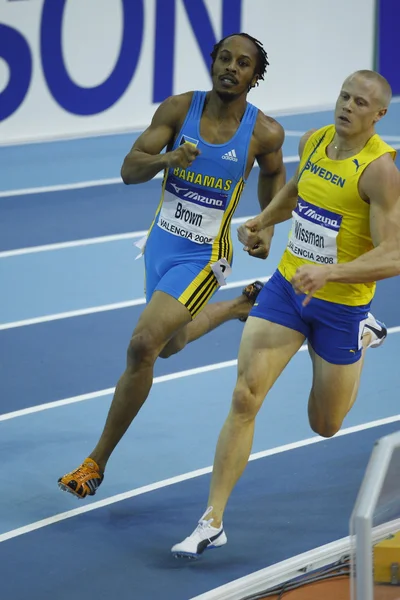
x=190, y=213
x=141, y=244
x=221, y=270
x=314, y=232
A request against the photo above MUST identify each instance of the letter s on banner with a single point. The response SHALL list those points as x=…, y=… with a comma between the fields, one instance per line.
x=200, y=22
x=15, y=51
x=69, y=95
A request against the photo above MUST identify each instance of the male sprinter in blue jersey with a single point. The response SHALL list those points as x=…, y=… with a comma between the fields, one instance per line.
x=212, y=140
x=343, y=201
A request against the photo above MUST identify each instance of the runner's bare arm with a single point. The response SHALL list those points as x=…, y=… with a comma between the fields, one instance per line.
x=281, y=207
x=278, y=210
x=272, y=176
x=269, y=137
x=381, y=185
x=145, y=160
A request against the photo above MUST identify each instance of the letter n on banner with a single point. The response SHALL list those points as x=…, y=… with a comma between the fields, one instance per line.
x=387, y=46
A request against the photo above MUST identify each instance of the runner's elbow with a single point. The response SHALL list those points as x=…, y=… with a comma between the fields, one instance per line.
x=126, y=173
x=130, y=175
x=397, y=263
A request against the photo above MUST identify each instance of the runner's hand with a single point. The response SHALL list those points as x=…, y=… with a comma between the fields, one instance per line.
x=183, y=156
x=249, y=233
x=308, y=279
x=256, y=241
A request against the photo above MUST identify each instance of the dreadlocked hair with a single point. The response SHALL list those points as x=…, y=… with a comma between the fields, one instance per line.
x=262, y=57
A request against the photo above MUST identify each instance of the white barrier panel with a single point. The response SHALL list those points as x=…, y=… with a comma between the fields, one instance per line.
x=81, y=67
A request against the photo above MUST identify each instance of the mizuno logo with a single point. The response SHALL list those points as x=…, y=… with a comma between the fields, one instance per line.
x=178, y=189
x=309, y=212
x=203, y=199
x=231, y=155
x=312, y=214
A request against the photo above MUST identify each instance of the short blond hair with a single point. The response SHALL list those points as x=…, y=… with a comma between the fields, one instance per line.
x=385, y=90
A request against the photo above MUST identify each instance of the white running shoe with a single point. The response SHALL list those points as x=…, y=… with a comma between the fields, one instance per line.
x=377, y=329
x=204, y=537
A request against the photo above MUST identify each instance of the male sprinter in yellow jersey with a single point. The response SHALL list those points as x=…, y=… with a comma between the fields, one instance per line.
x=341, y=200
x=212, y=140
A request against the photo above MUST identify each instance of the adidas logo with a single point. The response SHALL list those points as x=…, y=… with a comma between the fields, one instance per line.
x=231, y=155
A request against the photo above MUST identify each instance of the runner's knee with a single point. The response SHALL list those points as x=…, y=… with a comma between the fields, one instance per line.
x=323, y=424
x=173, y=347
x=142, y=350
x=325, y=428
x=245, y=402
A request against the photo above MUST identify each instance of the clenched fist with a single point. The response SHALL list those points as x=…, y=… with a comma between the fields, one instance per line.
x=255, y=239
x=183, y=156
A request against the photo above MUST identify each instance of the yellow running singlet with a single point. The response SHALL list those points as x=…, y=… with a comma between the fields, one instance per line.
x=331, y=221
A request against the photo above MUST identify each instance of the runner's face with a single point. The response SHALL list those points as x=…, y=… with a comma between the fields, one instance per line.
x=234, y=67
x=358, y=107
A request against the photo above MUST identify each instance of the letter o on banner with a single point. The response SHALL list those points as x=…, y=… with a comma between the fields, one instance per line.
x=14, y=49
x=89, y=101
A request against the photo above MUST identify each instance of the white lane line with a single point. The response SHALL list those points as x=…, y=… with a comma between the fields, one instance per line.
x=299, y=133
x=178, y=479
x=294, y=133
x=79, y=185
x=72, y=244
x=391, y=138
x=161, y=379
x=72, y=313
x=90, y=241
x=120, y=236
x=83, y=397
x=253, y=585
x=86, y=184
x=107, y=307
